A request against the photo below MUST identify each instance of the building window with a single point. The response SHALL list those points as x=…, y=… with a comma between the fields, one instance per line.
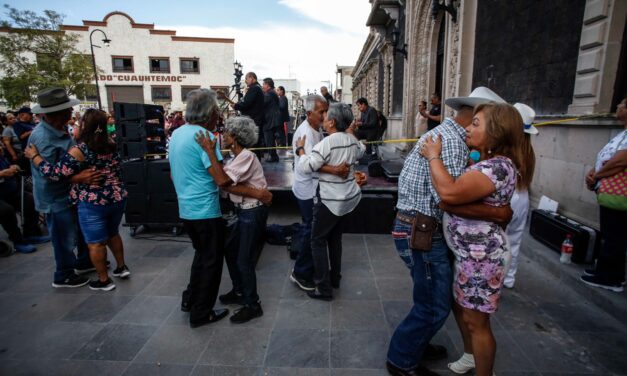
x=185, y=90
x=161, y=93
x=159, y=65
x=190, y=65
x=122, y=63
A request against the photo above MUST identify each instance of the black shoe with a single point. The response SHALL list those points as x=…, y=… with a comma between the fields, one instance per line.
x=434, y=352
x=597, y=281
x=121, y=272
x=215, y=315
x=592, y=273
x=247, y=313
x=71, y=282
x=231, y=297
x=418, y=371
x=303, y=284
x=104, y=286
x=316, y=294
x=335, y=282
x=185, y=306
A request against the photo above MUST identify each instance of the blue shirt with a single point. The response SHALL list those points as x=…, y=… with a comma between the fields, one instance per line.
x=50, y=196
x=20, y=128
x=197, y=192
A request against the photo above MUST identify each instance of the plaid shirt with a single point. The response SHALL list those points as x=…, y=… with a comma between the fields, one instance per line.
x=415, y=188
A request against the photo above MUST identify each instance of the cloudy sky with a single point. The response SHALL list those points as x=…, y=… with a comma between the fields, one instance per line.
x=302, y=39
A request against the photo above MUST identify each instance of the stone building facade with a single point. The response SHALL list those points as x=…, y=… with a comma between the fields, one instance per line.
x=563, y=58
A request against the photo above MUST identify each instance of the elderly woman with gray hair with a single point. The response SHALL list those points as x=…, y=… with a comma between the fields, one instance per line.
x=244, y=168
x=336, y=196
x=196, y=177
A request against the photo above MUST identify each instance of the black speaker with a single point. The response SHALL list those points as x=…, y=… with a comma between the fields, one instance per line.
x=374, y=215
x=140, y=129
x=374, y=169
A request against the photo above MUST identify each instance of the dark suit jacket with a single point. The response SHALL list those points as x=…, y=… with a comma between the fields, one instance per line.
x=271, y=110
x=252, y=104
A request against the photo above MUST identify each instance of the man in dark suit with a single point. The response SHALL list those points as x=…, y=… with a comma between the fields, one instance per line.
x=285, y=115
x=272, y=118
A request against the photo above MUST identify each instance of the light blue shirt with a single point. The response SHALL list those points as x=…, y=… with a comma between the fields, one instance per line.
x=50, y=196
x=198, y=194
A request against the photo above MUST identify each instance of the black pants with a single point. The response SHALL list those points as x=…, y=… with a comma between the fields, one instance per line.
x=269, y=139
x=370, y=134
x=11, y=204
x=611, y=261
x=326, y=229
x=204, y=281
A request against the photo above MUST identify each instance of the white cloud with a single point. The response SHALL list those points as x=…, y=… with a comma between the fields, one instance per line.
x=307, y=53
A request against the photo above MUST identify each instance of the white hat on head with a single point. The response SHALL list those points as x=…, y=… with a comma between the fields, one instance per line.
x=478, y=96
x=528, y=115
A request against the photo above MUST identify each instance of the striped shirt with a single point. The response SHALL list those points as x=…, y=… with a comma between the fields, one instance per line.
x=415, y=188
x=339, y=195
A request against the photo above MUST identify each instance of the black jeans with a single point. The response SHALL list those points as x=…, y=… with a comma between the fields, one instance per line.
x=304, y=267
x=8, y=220
x=370, y=134
x=243, y=250
x=30, y=215
x=611, y=261
x=326, y=229
x=204, y=281
x=269, y=140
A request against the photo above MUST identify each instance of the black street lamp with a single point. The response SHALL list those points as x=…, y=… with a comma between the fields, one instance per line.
x=238, y=79
x=106, y=42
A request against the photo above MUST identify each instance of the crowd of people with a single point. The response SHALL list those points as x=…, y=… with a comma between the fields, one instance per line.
x=461, y=209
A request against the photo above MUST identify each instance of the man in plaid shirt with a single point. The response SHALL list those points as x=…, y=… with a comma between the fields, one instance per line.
x=431, y=271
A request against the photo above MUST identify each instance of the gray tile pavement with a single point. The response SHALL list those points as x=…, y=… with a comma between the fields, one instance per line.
x=543, y=326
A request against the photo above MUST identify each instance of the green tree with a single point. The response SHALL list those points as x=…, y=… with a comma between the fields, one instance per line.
x=36, y=54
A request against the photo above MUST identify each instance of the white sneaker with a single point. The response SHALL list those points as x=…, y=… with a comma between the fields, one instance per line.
x=463, y=365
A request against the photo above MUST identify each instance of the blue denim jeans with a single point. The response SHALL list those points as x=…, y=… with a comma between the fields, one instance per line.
x=304, y=267
x=432, y=296
x=65, y=235
x=245, y=249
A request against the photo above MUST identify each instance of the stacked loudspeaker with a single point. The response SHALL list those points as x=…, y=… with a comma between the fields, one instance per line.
x=140, y=136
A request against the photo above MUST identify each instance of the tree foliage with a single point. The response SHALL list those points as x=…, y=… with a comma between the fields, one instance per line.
x=36, y=54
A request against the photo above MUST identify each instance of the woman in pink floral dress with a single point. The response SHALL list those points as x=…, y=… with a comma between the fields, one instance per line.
x=100, y=207
x=481, y=249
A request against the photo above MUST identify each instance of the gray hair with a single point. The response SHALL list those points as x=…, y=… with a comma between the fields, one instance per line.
x=243, y=129
x=342, y=114
x=201, y=104
x=310, y=101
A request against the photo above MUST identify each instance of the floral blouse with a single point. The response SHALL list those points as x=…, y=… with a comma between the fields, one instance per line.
x=110, y=191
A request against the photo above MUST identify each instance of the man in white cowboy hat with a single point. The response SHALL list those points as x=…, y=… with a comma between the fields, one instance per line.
x=51, y=197
x=430, y=268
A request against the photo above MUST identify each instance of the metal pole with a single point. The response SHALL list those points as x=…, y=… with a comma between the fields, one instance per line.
x=93, y=59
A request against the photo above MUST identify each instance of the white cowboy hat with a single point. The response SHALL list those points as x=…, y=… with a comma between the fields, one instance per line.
x=478, y=96
x=528, y=115
x=53, y=100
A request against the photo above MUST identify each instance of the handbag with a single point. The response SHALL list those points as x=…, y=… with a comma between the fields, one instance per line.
x=612, y=191
x=423, y=227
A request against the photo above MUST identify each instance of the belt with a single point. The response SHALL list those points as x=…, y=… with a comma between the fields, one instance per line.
x=247, y=205
x=409, y=219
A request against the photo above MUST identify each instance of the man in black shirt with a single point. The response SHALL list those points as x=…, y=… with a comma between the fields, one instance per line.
x=252, y=103
x=285, y=114
x=434, y=116
x=368, y=123
x=272, y=118
x=325, y=93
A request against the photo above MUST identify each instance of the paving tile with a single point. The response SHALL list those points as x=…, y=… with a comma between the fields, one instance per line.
x=581, y=317
x=390, y=268
x=395, y=288
x=237, y=347
x=35, y=265
x=133, y=285
x=45, y=340
x=235, y=371
x=303, y=314
x=306, y=348
x=357, y=314
x=161, y=369
x=50, y=307
x=296, y=371
x=356, y=268
x=62, y=368
x=607, y=348
x=555, y=351
x=116, y=342
x=147, y=310
x=167, y=284
x=8, y=280
x=201, y=370
x=354, y=252
x=167, y=250
x=98, y=308
x=150, y=265
x=274, y=268
x=35, y=283
x=292, y=291
x=518, y=313
x=175, y=344
x=358, y=372
x=358, y=348
x=270, y=288
x=509, y=355
x=356, y=289
x=395, y=311
x=11, y=304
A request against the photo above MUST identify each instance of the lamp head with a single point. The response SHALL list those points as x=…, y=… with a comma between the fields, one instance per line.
x=107, y=42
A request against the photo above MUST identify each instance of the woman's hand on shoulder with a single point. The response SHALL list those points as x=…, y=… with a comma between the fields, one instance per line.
x=431, y=148
x=203, y=138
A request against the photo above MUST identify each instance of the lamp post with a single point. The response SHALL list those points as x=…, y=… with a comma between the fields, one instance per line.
x=106, y=42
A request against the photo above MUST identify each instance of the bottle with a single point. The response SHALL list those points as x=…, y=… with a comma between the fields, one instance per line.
x=567, y=250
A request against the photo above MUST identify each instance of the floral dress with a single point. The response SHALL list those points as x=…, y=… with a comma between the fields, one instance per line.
x=108, y=192
x=480, y=247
